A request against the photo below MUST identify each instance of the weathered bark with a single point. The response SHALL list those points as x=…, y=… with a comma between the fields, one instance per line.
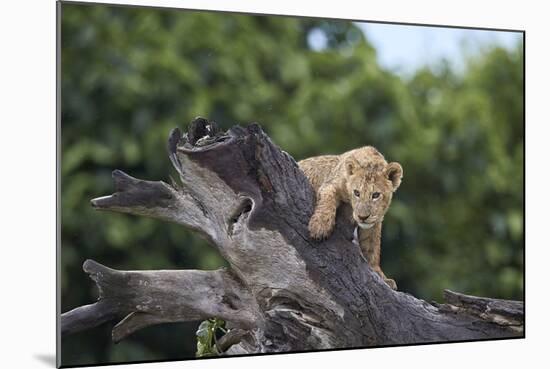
x=283, y=291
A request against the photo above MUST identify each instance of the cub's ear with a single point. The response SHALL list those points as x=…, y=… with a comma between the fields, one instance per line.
x=351, y=166
x=394, y=172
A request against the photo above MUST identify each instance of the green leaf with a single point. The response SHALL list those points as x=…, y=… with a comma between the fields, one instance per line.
x=206, y=337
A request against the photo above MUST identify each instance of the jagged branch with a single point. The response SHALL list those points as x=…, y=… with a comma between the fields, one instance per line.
x=506, y=313
x=155, y=199
x=164, y=296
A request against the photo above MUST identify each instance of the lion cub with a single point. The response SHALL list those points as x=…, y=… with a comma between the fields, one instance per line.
x=362, y=178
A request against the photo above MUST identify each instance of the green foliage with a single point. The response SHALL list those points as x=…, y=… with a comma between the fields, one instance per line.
x=206, y=337
x=129, y=75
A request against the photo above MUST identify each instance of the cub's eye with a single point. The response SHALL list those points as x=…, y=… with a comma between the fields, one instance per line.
x=376, y=195
x=356, y=193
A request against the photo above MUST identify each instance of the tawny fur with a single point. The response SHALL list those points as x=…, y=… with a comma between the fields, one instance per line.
x=362, y=178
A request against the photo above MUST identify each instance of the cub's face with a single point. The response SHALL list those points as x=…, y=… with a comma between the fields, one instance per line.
x=370, y=190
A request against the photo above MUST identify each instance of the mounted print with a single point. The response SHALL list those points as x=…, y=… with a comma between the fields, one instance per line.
x=242, y=184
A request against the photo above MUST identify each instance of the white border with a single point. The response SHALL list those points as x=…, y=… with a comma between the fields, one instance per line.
x=28, y=181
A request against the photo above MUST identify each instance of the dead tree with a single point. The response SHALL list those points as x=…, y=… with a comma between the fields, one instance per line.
x=283, y=291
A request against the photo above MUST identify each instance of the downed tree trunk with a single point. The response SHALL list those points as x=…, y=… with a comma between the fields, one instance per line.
x=283, y=291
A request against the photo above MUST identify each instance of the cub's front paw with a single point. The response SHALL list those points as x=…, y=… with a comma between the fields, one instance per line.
x=320, y=226
x=390, y=282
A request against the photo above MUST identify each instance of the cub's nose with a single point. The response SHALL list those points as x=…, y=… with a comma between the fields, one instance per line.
x=363, y=218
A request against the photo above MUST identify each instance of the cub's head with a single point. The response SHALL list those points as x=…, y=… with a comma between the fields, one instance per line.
x=370, y=186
